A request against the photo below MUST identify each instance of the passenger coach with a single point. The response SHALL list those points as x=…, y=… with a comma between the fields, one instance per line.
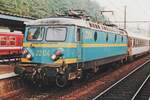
x=10, y=46
x=138, y=45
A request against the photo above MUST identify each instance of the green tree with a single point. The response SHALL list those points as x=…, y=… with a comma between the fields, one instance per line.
x=46, y=8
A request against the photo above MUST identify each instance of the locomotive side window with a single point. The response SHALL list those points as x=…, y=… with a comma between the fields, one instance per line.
x=122, y=38
x=35, y=33
x=107, y=37
x=56, y=34
x=78, y=34
x=95, y=36
x=115, y=37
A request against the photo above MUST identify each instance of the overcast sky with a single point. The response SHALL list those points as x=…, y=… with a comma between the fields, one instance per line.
x=137, y=10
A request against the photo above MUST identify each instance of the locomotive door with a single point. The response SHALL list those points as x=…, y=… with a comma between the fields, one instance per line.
x=79, y=44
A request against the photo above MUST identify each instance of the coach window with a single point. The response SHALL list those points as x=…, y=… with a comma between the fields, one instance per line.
x=95, y=36
x=78, y=34
x=12, y=40
x=3, y=40
x=134, y=41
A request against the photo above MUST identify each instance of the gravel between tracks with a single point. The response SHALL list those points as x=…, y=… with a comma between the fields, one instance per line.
x=82, y=90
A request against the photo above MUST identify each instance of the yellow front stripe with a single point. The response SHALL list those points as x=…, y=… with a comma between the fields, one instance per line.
x=60, y=61
x=25, y=60
x=67, y=61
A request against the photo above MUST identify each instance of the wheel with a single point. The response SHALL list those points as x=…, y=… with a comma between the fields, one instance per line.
x=61, y=80
x=86, y=76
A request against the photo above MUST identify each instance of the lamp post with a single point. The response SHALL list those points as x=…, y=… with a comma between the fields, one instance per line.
x=125, y=18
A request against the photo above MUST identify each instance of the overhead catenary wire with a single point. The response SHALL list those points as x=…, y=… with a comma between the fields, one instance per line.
x=137, y=21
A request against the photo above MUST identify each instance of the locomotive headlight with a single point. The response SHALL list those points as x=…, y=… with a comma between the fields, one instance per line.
x=29, y=56
x=24, y=51
x=57, y=55
x=53, y=57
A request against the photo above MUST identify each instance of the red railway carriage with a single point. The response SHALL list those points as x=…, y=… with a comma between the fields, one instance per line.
x=10, y=45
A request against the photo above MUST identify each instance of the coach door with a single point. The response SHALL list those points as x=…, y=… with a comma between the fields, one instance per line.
x=79, y=44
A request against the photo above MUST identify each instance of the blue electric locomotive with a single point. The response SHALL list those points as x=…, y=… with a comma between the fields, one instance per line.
x=62, y=48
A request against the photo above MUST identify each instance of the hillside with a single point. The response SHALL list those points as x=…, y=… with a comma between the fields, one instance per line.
x=46, y=8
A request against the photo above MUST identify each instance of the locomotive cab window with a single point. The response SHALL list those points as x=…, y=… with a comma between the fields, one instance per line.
x=56, y=34
x=35, y=33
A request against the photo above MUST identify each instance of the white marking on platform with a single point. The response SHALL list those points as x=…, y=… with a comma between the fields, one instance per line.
x=5, y=48
x=8, y=75
x=5, y=60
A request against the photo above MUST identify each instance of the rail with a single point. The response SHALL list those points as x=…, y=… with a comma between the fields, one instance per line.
x=133, y=98
x=103, y=92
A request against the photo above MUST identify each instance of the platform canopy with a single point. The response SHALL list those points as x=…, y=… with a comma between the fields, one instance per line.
x=14, y=21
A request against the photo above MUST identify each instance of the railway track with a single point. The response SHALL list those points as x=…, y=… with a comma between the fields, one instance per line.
x=143, y=92
x=129, y=86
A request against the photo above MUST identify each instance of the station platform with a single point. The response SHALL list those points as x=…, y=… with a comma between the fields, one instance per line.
x=6, y=71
